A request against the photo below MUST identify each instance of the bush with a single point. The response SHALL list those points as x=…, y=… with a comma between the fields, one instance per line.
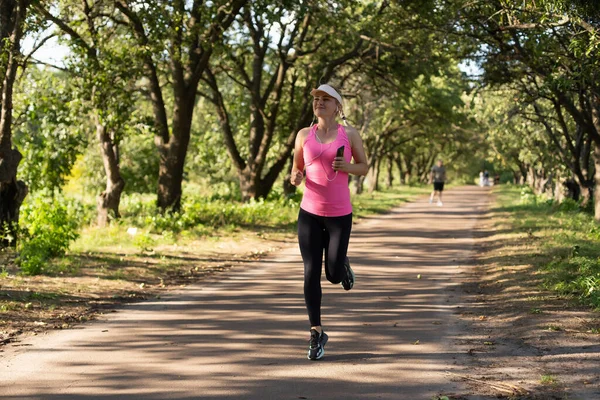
x=569, y=206
x=577, y=275
x=527, y=195
x=48, y=226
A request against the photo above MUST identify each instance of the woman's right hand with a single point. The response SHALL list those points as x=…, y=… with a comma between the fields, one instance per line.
x=296, y=178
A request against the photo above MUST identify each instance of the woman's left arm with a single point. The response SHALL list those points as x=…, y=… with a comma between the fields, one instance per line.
x=360, y=165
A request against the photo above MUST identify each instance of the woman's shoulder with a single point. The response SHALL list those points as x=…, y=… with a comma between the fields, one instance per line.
x=352, y=134
x=302, y=135
x=304, y=132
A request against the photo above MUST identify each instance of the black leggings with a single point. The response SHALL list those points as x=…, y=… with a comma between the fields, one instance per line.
x=315, y=235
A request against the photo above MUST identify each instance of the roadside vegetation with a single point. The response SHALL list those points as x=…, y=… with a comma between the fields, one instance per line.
x=560, y=240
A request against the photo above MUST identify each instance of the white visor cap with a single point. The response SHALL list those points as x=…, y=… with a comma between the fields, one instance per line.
x=328, y=90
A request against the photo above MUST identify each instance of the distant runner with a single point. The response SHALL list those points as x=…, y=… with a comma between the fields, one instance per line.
x=438, y=177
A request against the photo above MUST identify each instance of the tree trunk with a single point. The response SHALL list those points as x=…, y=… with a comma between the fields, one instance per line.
x=108, y=201
x=390, y=173
x=374, y=176
x=12, y=191
x=359, y=181
x=531, y=177
x=170, y=175
x=559, y=192
x=400, y=171
x=252, y=187
x=12, y=194
x=188, y=56
x=516, y=177
x=524, y=173
x=584, y=190
x=541, y=181
x=172, y=156
x=408, y=171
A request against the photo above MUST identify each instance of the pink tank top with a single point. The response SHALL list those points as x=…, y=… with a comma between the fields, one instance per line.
x=326, y=193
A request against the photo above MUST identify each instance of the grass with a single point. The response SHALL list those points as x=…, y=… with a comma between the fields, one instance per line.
x=561, y=241
x=548, y=380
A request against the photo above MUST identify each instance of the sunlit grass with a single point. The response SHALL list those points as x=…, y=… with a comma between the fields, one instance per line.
x=142, y=228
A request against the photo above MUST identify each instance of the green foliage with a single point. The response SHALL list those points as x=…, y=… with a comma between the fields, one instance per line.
x=139, y=159
x=527, y=196
x=138, y=164
x=49, y=129
x=143, y=229
x=208, y=161
x=569, y=206
x=541, y=60
x=576, y=275
x=425, y=121
x=48, y=227
x=144, y=242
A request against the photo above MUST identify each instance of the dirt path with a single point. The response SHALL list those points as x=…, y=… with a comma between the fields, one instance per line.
x=244, y=334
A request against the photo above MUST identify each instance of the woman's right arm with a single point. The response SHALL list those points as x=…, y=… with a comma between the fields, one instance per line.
x=298, y=165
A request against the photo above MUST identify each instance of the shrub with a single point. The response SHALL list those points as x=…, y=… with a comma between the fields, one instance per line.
x=144, y=242
x=569, y=205
x=47, y=230
x=527, y=195
x=577, y=275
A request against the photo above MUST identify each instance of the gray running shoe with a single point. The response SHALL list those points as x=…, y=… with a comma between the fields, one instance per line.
x=316, y=348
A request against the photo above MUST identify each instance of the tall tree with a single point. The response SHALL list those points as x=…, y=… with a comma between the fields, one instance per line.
x=12, y=191
x=177, y=40
x=99, y=64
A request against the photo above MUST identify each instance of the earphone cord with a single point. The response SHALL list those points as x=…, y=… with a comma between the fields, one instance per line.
x=319, y=155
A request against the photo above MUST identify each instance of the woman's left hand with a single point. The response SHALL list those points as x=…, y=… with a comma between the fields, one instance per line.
x=339, y=164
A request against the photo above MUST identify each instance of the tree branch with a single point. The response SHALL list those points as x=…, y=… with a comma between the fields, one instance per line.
x=76, y=37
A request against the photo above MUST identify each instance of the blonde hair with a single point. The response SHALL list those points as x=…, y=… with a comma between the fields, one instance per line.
x=340, y=107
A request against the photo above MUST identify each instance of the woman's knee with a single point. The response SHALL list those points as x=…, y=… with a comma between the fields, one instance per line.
x=311, y=280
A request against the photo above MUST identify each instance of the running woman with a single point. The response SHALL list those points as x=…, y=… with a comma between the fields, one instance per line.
x=325, y=217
